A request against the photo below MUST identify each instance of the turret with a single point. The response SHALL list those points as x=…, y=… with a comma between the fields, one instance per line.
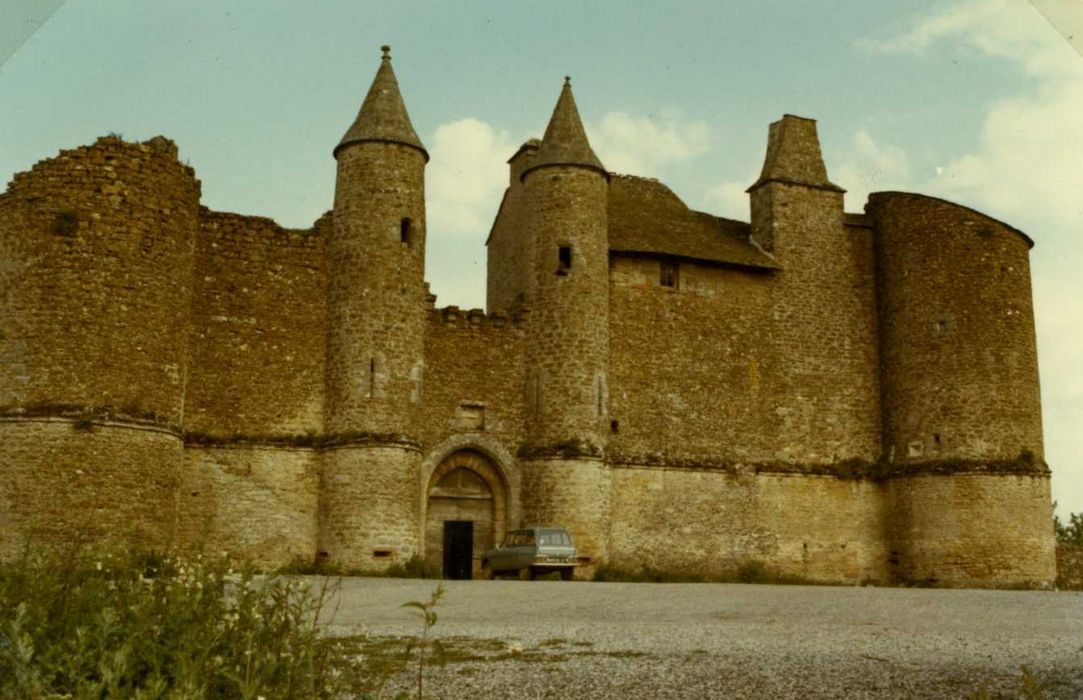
x=376, y=303
x=823, y=329
x=565, y=192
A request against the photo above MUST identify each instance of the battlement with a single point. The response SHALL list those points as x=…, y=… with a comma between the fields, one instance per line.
x=474, y=318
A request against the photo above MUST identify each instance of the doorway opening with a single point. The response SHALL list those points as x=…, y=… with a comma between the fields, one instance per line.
x=458, y=549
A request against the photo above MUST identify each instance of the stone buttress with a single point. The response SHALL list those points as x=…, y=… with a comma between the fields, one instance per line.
x=369, y=495
x=565, y=190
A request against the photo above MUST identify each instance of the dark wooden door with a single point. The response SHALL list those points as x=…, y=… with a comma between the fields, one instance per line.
x=458, y=549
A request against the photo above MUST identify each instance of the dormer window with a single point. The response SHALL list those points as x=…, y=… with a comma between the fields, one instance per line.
x=564, y=259
x=668, y=273
x=406, y=231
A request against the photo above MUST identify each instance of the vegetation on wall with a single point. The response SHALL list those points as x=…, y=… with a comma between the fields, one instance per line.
x=1070, y=533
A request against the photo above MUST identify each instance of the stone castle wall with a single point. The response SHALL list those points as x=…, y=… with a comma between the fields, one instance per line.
x=168, y=373
x=688, y=364
x=96, y=257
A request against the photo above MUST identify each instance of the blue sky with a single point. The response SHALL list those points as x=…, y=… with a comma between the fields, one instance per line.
x=978, y=101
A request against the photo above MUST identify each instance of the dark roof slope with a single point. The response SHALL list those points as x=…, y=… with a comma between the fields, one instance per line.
x=645, y=216
x=565, y=141
x=383, y=116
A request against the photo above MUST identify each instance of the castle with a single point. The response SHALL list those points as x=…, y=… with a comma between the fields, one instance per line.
x=822, y=395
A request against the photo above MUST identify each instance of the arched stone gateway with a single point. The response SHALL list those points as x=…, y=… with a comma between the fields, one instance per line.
x=466, y=513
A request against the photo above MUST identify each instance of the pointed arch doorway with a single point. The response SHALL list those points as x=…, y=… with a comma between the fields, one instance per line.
x=466, y=513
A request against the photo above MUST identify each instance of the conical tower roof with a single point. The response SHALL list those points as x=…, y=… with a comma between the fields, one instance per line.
x=565, y=141
x=383, y=114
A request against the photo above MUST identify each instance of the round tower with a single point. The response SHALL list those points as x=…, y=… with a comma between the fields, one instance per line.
x=565, y=193
x=969, y=497
x=369, y=510
x=96, y=255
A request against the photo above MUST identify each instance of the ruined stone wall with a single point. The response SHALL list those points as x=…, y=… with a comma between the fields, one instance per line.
x=720, y=523
x=974, y=530
x=96, y=256
x=687, y=364
x=259, y=330
x=97, y=246
x=474, y=369
x=960, y=363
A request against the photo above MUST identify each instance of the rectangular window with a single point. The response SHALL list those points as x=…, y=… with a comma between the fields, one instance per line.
x=667, y=275
x=564, y=259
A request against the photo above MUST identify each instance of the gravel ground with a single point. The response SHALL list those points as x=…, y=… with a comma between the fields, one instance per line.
x=730, y=640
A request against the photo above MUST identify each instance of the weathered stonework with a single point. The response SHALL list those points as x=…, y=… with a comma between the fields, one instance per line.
x=811, y=395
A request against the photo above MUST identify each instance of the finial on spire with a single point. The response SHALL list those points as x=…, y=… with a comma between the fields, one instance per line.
x=386, y=51
x=568, y=80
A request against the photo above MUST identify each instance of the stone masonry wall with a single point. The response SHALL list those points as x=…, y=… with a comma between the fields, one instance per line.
x=67, y=482
x=688, y=364
x=959, y=355
x=474, y=369
x=714, y=522
x=984, y=530
x=376, y=293
x=96, y=251
x=568, y=325
x=256, y=502
x=822, y=397
x=259, y=330
x=370, y=506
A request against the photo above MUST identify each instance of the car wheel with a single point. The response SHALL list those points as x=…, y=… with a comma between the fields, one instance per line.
x=566, y=574
x=526, y=574
x=487, y=573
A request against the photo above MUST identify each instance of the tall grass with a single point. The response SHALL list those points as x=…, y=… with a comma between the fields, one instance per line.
x=110, y=624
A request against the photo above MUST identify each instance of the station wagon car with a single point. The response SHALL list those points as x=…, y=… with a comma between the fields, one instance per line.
x=532, y=552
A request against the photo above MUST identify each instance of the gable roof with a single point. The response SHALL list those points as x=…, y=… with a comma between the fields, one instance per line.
x=646, y=217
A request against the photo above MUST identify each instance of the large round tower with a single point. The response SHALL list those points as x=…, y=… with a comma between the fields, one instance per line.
x=96, y=255
x=565, y=197
x=369, y=501
x=969, y=495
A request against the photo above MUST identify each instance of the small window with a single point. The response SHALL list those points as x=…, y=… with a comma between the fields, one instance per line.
x=406, y=232
x=667, y=276
x=564, y=259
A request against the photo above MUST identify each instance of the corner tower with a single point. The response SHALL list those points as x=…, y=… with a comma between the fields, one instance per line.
x=565, y=193
x=369, y=509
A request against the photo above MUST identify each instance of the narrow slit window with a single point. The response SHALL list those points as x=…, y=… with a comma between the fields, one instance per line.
x=406, y=231
x=668, y=274
x=372, y=378
x=564, y=259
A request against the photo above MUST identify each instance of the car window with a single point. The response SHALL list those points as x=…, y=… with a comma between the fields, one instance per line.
x=555, y=538
x=528, y=539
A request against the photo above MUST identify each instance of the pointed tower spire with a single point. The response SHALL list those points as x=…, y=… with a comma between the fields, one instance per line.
x=383, y=114
x=565, y=141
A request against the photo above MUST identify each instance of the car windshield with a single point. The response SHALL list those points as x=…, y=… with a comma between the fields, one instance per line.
x=555, y=537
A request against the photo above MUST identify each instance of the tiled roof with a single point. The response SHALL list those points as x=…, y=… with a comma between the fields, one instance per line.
x=383, y=116
x=646, y=217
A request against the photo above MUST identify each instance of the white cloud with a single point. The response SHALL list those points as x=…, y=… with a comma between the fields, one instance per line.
x=1027, y=169
x=648, y=145
x=1008, y=29
x=727, y=199
x=868, y=166
x=465, y=180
